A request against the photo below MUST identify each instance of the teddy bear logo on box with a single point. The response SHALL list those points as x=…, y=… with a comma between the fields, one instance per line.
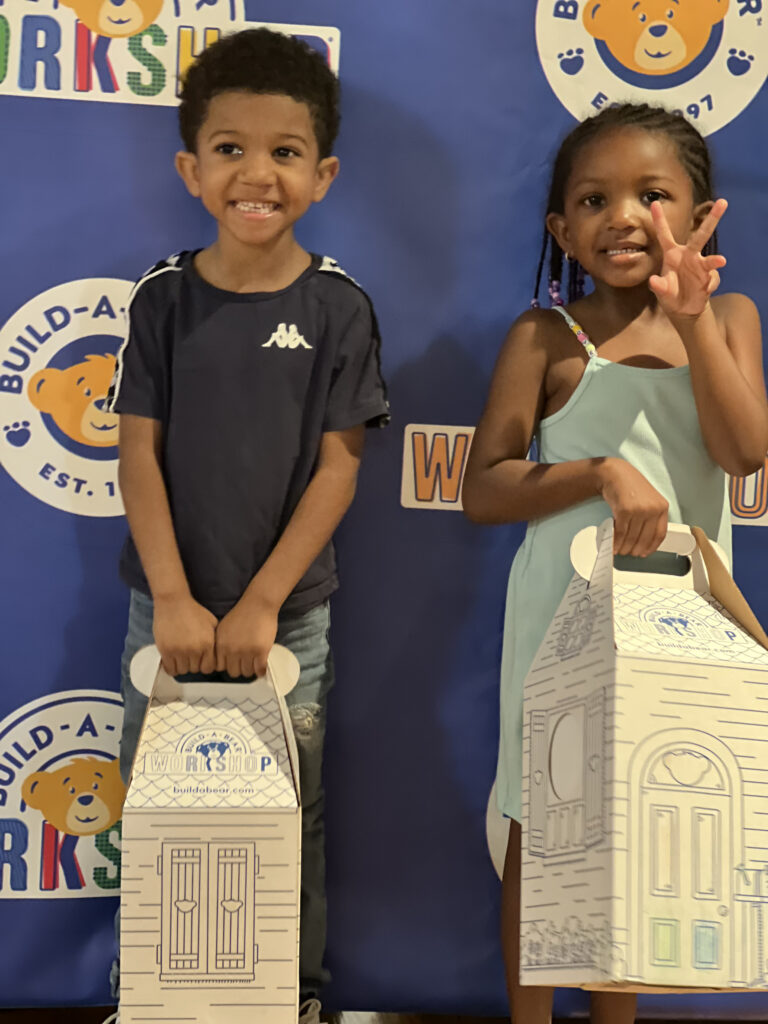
x=57, y=358
x=705, y=58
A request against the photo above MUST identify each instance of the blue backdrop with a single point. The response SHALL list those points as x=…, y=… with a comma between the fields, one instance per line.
x=449, y=125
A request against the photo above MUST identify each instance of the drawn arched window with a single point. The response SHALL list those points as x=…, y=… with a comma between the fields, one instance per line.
x=566, y=777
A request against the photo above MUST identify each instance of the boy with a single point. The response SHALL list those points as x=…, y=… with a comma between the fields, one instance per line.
x=244, y=386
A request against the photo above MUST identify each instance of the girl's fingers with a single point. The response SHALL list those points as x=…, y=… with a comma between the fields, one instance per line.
x=658, y=285
x=714, y=282
x=644, y=544
x=706, y=229
x=714, y=262
x=663, y=233
x=631, y=536
x=666, y=287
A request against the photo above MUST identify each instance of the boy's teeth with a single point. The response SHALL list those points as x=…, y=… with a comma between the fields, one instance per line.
x=256, y=207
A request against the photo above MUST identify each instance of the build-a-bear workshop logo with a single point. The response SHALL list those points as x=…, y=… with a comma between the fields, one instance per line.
x=704, y=58
x=57, y=360
x=61, y=797
x=121, y=51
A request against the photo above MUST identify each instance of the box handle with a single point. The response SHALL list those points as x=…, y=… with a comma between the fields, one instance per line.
x=679, y=541
x=150, y=678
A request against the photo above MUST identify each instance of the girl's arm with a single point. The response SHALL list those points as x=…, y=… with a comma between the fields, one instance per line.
x=728, y=385
x=501, y=485
x=724, y=348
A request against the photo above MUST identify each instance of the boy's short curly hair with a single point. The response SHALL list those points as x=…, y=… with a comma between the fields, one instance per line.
x=261, y=61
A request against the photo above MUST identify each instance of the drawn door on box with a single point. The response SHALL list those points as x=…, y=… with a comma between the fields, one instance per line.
x=684, y=841
x=207, y=915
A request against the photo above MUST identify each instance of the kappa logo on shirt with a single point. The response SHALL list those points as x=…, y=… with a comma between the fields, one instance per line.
x=286, y=337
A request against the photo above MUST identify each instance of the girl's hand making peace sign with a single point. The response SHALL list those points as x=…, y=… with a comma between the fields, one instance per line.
x=687, y=278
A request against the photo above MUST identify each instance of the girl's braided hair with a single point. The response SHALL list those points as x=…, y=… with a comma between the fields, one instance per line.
x=692, y=152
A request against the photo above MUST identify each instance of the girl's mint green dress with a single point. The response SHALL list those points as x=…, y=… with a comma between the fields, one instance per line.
x=647, y=417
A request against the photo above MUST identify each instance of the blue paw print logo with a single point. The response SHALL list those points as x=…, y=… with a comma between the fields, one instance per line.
x=571, y=61
x=17, y=434
x=739, y=61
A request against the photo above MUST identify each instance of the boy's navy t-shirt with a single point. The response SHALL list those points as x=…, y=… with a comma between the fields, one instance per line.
x=245, y=385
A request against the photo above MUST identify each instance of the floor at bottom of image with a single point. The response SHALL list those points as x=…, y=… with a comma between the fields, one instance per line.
x=95, y=1015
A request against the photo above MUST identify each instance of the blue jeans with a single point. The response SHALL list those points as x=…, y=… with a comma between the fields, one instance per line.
x=307, y=636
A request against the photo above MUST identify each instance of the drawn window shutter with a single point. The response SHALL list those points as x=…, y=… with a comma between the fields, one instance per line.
x=538, y=784
x=234, y=877
x=183, y=869
x=593, y=768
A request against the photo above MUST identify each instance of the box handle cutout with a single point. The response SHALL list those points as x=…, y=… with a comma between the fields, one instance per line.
x=664, y=563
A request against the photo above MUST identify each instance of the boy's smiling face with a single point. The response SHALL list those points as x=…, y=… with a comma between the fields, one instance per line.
x=257, y=168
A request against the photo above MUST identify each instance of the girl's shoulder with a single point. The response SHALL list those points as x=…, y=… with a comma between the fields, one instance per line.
x=736, y=312
x=538, y=325
x=732, y=302
x=546, y=332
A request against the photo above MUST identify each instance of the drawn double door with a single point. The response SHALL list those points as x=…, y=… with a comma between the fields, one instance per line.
x=683, y=865
x=207, y=911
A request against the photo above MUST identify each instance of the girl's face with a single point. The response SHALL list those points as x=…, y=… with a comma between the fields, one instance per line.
x=607, y=224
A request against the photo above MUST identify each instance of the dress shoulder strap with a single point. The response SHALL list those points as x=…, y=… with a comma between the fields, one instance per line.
x=579, y=331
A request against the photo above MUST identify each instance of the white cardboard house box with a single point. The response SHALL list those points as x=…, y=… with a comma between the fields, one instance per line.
x=211, y=852
x=645, y=779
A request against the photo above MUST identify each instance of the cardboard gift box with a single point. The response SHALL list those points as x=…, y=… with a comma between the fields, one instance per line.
x=645, y=778
x=211, y=851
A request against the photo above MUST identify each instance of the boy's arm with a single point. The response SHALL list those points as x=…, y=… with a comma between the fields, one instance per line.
x=246, y=634
x=184, y=630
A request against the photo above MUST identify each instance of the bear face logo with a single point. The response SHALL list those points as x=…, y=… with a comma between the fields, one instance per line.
x=81, y=798
x=75, y=399
x=654, y=37
x=115, y=17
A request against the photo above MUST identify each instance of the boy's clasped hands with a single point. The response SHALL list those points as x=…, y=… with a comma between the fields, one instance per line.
x=191, y=640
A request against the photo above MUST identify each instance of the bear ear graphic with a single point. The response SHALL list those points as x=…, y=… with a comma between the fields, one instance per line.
x=36, y=383
x=29, y=786
x=591, y=14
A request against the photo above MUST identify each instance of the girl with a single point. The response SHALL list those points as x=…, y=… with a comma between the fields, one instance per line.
x=642, y=396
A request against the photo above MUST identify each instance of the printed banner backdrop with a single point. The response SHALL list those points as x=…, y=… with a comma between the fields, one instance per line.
x=451, y=113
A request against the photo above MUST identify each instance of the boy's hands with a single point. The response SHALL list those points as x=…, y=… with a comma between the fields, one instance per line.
x=639, y=511
x=244, y=638
x=192, y=640
x=687, y=278
x=185, y=635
